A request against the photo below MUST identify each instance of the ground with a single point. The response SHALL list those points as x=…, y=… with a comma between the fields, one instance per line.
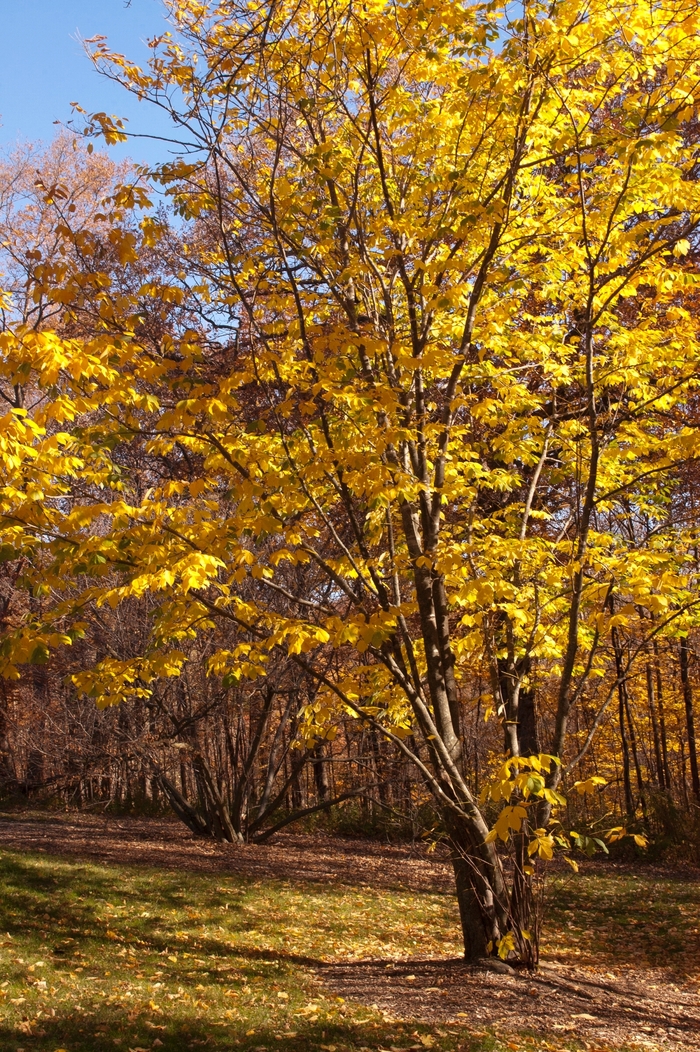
x=127, y=934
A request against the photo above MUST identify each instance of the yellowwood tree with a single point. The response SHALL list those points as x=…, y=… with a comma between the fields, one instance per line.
x=423, y=358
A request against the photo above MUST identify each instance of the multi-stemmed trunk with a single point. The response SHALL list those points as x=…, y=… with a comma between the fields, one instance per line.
x=493, y=902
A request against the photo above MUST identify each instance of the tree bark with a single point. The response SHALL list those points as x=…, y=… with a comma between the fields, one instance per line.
x=320, y=767
x=635, y=757
x=689, y=719
x=660, y=772
x=480, y=892
x=622, y=699
x=662, y=716
x=528, y=737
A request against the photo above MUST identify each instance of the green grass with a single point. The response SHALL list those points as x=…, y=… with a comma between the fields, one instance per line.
x=122, y=958
x=616, y=918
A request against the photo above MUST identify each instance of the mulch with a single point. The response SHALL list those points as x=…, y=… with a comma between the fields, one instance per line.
x=643, y=1008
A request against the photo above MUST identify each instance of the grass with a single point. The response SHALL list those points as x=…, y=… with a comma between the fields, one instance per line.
x=127, y=958
x=617, y=918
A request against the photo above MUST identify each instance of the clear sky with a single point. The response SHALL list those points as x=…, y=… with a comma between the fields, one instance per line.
x=44, y=68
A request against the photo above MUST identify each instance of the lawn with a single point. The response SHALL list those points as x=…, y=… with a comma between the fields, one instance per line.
x=104, y=956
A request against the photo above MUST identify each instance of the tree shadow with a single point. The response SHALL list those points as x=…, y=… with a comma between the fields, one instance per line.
x=111, y=1030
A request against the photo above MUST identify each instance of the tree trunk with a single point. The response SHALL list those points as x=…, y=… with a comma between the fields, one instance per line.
x=528, y=738
x=684, y=772
x=295, y=789
x=622, y=698
x=377, y=761
x=475, y=900
x=474, y=932
x=635, y=757
x=213, y=804
x=320, y=767
x=660, y=772
x=480, y=889
x=690, y=720
x=662, y=716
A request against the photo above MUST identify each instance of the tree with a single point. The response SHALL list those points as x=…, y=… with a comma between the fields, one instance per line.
x=431, y=347
x=41, y=188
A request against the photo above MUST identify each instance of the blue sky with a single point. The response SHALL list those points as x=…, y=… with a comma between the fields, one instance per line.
x=44, y=68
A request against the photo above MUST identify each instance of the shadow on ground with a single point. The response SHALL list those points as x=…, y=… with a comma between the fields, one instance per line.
x=76, y=1034
x=557, y=1001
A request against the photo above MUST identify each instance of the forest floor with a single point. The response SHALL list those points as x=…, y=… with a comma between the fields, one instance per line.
x=129, y=934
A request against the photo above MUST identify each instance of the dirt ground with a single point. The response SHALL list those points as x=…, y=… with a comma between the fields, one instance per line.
x=645, y=1008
